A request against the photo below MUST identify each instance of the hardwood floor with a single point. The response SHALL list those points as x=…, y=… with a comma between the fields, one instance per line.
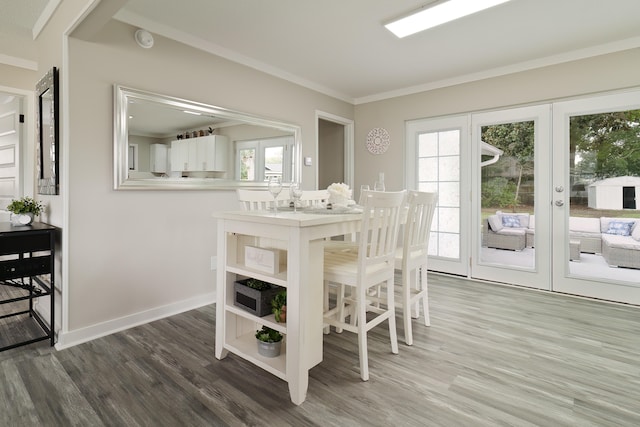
x=493, y=356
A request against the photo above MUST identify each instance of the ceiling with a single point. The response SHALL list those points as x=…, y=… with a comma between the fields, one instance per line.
x=340, y=47
x=20, y=17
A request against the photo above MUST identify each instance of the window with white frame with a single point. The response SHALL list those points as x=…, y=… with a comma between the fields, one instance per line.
x=439, y=170
x=436, y=149
x=260, y=159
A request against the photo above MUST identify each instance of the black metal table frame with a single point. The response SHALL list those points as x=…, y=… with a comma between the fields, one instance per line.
x=34, y=246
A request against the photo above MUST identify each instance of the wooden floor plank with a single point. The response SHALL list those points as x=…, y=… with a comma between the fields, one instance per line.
x=494, y=355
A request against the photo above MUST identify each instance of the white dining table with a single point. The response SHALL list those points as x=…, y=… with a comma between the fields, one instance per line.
x=302, y=236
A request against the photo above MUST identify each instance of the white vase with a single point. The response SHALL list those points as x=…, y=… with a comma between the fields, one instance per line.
x=21, y=219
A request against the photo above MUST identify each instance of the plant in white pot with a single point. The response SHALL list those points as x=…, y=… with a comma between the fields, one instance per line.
x=24, y=210
x=269, y=342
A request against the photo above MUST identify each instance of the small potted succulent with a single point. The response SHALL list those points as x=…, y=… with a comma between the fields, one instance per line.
x=279, y=306
x=24, y=210
x=269, y=342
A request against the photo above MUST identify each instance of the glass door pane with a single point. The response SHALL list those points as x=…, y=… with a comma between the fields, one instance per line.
x=439, y=171
x=511, y=171
x=507, y=194
x=604, y=165
x=437, y=159
x=597, y=218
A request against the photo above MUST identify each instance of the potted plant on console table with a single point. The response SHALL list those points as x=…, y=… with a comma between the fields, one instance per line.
x=269, y=342
x=24, y=210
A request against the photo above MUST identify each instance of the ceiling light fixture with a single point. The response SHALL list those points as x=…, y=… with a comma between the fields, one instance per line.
x=192, y=112
x=440, y=13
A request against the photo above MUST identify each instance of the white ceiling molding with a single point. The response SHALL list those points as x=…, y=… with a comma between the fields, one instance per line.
x=18, y=62
x=46, y=14
x=198, y=43
x=576, y=55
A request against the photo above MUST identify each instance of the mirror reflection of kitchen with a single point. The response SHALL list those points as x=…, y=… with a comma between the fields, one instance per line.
x=168, y=143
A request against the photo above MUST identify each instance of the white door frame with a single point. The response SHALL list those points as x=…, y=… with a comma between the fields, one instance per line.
x=26, y=153
x=539, y=276
x=413, y=130
x=348, y=145
x=563, y=280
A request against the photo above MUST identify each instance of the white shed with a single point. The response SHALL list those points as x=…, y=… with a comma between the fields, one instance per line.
x=615, y=193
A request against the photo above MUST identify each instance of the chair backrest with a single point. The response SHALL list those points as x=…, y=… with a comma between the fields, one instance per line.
x=314, y=197
x=252, y=200
x=379, y=232
x=422, y=206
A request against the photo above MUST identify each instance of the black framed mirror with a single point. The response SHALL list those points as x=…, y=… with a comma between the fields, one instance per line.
x=47, y=147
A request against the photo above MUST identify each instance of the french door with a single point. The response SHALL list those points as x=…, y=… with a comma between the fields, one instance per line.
x=596, y=179
x=510, y=196
x=529, y=196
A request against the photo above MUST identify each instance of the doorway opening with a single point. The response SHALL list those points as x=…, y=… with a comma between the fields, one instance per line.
x=628, y=197
x=334, y=150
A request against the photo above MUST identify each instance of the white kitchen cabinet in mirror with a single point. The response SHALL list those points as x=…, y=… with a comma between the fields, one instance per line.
x=202, y=161
x=201, y=154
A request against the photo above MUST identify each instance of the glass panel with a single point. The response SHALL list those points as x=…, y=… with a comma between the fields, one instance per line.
x=439, y=170
x=604, y=198
x=449, y=143
x=273, y=161
x=247, y=164
x=428, y=144
x=507, y=194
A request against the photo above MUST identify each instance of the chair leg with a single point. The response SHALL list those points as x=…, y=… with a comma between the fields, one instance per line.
x=424, y=285
x=340, y=302
x=391, y=307
x=415, y=285
x=327, y=329
x=362, y=334
x=406, y=307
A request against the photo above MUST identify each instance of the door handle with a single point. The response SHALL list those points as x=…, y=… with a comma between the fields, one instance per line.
x=559, y=203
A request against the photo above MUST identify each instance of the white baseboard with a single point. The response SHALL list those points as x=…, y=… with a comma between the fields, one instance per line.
x=79, y=336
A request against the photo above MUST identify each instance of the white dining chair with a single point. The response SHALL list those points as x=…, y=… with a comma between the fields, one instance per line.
x=314, y=198
x=251, y=200
x=372, y=265
x=411, y=259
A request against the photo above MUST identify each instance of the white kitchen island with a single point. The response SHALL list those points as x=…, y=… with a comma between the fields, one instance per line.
x=302, y=236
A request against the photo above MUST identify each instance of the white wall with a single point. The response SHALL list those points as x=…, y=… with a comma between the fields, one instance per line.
x=577, y=78
x=135, y=252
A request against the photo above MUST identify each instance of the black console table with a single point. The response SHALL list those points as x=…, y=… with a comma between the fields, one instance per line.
x=26, y=252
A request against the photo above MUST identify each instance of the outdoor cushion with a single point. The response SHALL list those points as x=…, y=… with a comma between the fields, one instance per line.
x=604, y=222
x=511, y=221
x=495, y=223
x=522, y=217
x=620, y=228
x=620, y=242
x=510, y=231
x=636, y=232
x=586, y=225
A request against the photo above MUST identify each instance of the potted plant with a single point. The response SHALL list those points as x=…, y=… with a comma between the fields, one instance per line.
x=24, y=210
x=269, y=342
x=254, y=295
x=279, y=306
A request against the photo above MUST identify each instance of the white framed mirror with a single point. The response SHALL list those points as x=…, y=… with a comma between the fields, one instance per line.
x=182, y=144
